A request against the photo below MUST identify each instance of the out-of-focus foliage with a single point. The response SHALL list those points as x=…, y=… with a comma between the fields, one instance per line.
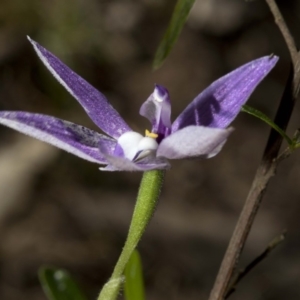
x=180, y=14
x=134, y=282
x=58, y=285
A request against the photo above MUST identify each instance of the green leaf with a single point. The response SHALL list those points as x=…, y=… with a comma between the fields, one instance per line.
x=134, y=283
x=58, y=285
x=258, y=114
x=180, y=14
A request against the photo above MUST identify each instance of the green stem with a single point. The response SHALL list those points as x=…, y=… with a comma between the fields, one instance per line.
x=144, y=208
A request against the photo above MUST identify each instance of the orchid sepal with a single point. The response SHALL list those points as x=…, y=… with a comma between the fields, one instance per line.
x=200, y=131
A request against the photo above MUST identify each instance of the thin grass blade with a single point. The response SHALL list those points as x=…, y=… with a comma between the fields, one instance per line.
x=180, y=14
x=258, y=114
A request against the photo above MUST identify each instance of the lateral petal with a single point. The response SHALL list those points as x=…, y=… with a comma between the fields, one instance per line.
x=218, y=105
x=94, y=103
x=73, y=138
x=193, y=141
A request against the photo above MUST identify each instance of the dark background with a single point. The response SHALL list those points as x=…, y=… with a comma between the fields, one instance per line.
x=59, y=210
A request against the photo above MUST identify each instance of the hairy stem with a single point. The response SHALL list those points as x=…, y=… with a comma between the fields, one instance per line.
x=147, y=198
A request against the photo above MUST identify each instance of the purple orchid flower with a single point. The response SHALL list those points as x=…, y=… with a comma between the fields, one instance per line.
x=199, y=131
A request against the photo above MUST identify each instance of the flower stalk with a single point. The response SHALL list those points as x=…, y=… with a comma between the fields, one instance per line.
x=147, y=199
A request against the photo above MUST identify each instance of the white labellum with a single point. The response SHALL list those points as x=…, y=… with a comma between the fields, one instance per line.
x=133, y=142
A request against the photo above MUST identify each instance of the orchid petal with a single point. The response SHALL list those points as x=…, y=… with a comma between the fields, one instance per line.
x=157, y=109
x=215, y=151
x=94, y=103
x=116, y=163
x=193, y=141
x=124, y=164
x=65, y=135
x=218, y=105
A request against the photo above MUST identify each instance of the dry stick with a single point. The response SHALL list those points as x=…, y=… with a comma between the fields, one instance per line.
x=274, y=243
x=279, y=20
x=266, y=168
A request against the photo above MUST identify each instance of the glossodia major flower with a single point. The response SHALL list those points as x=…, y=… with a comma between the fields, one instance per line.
x=199, y=131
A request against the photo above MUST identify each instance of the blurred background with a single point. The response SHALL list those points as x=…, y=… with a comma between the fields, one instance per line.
x=58, y=210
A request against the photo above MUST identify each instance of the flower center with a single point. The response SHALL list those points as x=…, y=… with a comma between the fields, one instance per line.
x=134, y=146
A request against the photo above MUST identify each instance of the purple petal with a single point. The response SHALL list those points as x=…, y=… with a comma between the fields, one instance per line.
x=65, y=135
x=94, y=103
x=124, y=164
x=218, y=105
x=157, y=109
x=193, y=141
x=116, y=163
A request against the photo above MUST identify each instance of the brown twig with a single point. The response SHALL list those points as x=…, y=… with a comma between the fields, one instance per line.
x=266, y=169
x=279, y=20
x=241, y=274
